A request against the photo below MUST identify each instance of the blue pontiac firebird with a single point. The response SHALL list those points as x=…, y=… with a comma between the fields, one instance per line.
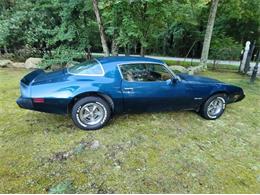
x=92, y=91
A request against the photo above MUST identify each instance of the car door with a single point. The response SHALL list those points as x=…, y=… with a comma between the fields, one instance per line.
x=148, y=87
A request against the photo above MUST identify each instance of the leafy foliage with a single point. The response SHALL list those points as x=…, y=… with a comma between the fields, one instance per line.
x=56, y=28
x=225, y=48
x=61, y=56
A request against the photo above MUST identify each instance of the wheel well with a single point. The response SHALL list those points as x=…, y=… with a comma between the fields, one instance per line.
x=217, y=92
x=105, y=97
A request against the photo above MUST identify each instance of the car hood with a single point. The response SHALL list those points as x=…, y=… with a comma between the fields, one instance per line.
x=198, y=79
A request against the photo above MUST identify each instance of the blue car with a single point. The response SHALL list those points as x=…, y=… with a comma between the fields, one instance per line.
x=94, y=90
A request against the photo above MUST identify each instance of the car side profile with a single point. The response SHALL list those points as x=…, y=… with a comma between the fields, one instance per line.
x=94, y=90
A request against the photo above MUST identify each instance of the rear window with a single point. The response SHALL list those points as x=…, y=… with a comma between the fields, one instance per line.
x=89, y=68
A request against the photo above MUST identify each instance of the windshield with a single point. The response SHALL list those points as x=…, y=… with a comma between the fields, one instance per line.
x=91, y=68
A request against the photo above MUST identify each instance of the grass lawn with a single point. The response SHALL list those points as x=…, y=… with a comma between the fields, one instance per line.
x=176, y=152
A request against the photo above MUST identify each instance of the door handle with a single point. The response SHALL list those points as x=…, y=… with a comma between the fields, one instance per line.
x=128, y=89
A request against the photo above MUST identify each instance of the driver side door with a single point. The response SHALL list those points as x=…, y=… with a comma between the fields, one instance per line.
x=148, y=87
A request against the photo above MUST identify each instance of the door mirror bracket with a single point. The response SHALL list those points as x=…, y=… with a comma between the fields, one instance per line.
x=174, y=80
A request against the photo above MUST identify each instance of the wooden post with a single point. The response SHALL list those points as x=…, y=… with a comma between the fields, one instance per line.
x=253, y=77
x=249, y=57
x=243, y=63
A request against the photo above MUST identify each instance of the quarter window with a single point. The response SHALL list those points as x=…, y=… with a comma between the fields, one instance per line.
x=91, y=68
x=145, y=72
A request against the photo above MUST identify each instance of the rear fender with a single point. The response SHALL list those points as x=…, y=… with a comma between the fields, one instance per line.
x=27, y=80
x=105, y=97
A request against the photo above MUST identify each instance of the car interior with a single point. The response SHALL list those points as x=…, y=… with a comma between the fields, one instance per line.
x=145, y=72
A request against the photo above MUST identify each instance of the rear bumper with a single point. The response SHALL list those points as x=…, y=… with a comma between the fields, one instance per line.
x=56, y=106
x=25, y=103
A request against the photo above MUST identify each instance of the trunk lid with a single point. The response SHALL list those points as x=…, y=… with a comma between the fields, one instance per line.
x=27, y=79
x=48, y=77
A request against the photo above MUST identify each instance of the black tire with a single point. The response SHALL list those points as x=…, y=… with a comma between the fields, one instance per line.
x=76, y=112
x=204, y=111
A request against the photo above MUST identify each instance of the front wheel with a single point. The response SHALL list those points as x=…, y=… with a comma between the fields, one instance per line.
x=214, y=107
x=91, y=113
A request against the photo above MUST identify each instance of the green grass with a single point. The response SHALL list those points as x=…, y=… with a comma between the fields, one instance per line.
x=175, y=152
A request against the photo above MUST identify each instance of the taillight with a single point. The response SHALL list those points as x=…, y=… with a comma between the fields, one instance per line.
x=38, y=100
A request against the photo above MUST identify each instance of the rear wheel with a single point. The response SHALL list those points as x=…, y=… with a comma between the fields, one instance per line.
x=91, y=113
x=214, y=107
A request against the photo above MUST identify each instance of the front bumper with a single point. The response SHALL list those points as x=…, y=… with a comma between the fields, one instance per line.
x=25, y=103
x=236, y=98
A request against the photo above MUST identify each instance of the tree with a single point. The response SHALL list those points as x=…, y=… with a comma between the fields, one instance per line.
x=101, y=28
x=62, y=30
x=112, y=14
x=147, y=16
x=208, y=34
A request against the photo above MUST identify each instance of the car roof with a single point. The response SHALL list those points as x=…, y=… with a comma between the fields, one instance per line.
x=127, y=59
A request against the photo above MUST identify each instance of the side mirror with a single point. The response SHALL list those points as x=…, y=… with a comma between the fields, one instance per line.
x=174, y=80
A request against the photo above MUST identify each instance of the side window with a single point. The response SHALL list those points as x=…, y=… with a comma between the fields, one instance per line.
x=145, y=72
x=92, y=68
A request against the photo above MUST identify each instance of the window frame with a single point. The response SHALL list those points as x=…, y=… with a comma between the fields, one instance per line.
x=102, y=74
x=160, y=64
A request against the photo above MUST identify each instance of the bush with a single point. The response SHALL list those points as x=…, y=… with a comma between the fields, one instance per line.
x=61, y=56
x=225, y=48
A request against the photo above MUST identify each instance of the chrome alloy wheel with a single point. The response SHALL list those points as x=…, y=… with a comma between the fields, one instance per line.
x=91, y=113
x=215, y=107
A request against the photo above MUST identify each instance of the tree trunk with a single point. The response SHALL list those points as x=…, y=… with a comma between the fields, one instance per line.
x=101, y=28
x=142, y=51
x=5, y=49
x=127, y=50
x=208, y=34
x=114, y=49
x=165, y=42
x=88, y=54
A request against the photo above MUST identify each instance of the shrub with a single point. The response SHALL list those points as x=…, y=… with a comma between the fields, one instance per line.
x=225, y=48
x=61, y=56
